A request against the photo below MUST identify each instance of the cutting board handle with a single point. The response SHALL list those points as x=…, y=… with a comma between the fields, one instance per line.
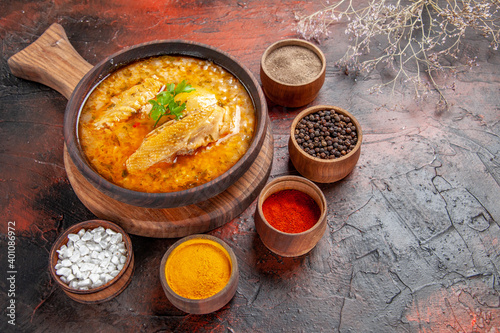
x=52, y=61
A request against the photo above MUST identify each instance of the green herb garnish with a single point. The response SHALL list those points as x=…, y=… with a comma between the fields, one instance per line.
x=165, y=105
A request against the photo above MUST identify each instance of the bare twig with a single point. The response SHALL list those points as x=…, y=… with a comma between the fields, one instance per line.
x=419, y=35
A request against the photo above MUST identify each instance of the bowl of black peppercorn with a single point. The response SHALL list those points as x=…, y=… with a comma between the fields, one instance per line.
x=325, y=143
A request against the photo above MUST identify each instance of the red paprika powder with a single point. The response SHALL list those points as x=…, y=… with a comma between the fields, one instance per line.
x=291, y=211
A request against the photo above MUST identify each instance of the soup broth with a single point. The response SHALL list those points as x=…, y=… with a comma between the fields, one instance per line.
x=107, y=146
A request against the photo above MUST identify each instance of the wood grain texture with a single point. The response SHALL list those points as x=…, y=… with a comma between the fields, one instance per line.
x=52, y=61
x=180, y=221
x=321, y=170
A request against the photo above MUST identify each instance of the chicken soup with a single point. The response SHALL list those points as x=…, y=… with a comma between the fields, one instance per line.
x=206, y=124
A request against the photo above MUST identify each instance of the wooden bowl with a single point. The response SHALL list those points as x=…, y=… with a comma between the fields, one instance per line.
x=205, y=305
x=173, y=199
x=107, y=291
x=323, y=170
x=53, y=61
x=287, y=94
x=288, y=244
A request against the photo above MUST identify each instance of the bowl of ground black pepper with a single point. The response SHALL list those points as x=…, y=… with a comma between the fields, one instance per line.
x=292, y=72
x=290, y=216
x=325, y=143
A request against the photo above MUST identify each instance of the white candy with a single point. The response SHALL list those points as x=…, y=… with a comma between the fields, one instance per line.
x=105, y=262
x=84, y=283
x=76, y=270
x=86, y=267
x=75, y=256
x=62, y=250
x=84, y=250
x=107, y=277
x=73, y=237
x=91, y=258
x=104, y=245
x=87, y=236
x=66, y=263
x=94, y=277
x=116, y=238
x=79, y=243
x=115, y=260
x=64, y=271
x=97, y=284
x=98, y=229
x=97, y=237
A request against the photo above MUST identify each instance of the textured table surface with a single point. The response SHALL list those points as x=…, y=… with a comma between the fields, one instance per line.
x=413, y=238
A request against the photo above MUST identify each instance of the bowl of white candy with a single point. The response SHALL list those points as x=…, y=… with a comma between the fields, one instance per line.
x=92, y=261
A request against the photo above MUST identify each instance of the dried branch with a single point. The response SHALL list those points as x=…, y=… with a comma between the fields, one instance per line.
x=417, y=36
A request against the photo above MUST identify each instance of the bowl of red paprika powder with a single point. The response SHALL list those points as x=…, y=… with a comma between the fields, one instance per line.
x=290, y=217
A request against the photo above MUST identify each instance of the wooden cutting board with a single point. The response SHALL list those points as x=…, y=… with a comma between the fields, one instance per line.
x=52, y=54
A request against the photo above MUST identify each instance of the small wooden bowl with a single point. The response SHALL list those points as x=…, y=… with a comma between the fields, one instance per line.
x=291, y=95
x=107, y=291
x=205, y=305
x=288, y=244
x=323, y=170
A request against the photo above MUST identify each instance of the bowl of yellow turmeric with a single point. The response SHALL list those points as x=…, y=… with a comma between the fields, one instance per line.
x=199, y=274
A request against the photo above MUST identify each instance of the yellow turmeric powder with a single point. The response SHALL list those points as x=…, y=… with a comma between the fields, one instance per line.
x=198, y=268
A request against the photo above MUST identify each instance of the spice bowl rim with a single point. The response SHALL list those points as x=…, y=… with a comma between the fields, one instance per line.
x=62, y=239
x=317, y=108
x=184, y=303
x=267, y=190
x=299, y=42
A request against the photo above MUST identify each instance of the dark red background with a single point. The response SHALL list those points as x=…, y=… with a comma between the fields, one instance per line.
x=412, y=243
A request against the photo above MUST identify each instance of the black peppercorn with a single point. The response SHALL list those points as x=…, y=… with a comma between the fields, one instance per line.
x=326, y=134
